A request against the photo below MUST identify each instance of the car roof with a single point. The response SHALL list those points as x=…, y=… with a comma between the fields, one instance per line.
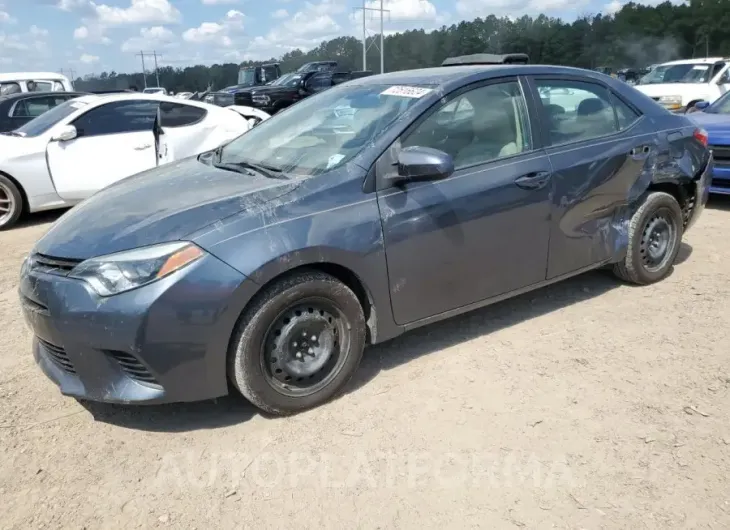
x=456, y=75
x=31, y=76
x=21, y=95
x=702, y=60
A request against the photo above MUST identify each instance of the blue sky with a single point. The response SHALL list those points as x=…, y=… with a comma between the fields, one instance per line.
x=93, y=36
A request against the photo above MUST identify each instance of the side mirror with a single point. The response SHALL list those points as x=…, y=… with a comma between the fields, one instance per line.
x=418, y=163
x=702, y=105
x=65, y=133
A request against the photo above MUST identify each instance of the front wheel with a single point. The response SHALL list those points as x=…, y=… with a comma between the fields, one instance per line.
x=11, y=203
x=655, y=235
x=299, y=344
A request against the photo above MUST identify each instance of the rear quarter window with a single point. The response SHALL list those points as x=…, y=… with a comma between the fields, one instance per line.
x=178, y=115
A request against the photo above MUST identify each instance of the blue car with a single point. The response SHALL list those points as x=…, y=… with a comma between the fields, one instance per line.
x=715, y=119
x=369, y=209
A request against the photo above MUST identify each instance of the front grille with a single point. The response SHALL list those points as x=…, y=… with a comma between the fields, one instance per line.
x=49, y=264
x=131, y=366
x=33, y=305
x=720, y=183
x=242, y=98
x=720, y=152
x=58, y=356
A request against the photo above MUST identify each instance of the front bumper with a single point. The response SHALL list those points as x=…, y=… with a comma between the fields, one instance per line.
x=702, y=192
x=164, y=342
x=721, y=178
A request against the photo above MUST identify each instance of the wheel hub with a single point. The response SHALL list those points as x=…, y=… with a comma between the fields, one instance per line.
x=303, y=341
x=6, y=203
x=656, y=241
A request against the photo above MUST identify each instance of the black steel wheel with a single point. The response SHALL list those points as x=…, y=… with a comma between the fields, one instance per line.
x=655, y=235
x=298, y=344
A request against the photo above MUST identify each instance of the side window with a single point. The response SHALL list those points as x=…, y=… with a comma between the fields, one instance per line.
x=117, y=117
x=32, y=107
x=57, y=86
x=320, y=81
x=725, y=77
x=716, y=70
x=625, y=115
x=478, y=126
x=575, y=110
x=9, y=88
x=177, y=115
x=41, y=86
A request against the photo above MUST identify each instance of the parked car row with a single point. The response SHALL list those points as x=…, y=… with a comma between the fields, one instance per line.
x=366, y=210
x=70, y=145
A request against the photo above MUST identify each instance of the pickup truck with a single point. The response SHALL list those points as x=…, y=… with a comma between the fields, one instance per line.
x=293, y=87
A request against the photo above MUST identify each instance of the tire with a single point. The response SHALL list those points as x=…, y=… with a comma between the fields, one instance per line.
x=12, y=199
x=642, y=266
x=277, y=333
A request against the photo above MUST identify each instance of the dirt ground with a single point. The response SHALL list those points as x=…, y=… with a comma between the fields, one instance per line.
x=590, y=404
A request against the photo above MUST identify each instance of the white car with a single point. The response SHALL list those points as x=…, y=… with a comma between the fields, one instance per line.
x=79, y=147
x=678, y=85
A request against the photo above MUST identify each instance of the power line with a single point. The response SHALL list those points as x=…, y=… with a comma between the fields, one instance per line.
x=71, y=73
x=155, y=55
x=365, y=46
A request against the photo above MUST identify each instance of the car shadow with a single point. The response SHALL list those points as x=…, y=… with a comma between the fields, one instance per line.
x=177, y=417
x=685, y=251
x=719, y=202
x=39, y=218
x=233, y=409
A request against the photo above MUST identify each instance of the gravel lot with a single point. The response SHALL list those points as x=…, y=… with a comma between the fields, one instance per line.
x=590, y=404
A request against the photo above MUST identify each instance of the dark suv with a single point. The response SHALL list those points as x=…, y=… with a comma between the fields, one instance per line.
x=380, y=205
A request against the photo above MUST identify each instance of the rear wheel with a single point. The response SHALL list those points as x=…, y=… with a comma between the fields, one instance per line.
x=299, y=344
x=655, y=235
x=11, y=203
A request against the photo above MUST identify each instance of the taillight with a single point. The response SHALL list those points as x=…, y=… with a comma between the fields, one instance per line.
x=701, y=135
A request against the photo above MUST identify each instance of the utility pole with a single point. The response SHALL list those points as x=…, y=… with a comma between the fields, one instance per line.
x=365, y=46
x=157, y=73
x=144, y=73
x=71, y=73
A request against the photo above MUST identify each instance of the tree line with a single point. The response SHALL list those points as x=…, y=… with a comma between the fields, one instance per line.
x=635, y=36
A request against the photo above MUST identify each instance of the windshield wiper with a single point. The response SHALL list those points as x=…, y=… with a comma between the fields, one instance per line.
x=247, y=167
x=12, y=133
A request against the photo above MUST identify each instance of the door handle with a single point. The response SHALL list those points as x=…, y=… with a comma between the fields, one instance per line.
x=640, y=152
x=142, y=147
x=533, y=181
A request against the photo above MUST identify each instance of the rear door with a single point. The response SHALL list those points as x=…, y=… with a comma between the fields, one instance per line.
x=598, y=146
x=115, y=140
x=185, y=128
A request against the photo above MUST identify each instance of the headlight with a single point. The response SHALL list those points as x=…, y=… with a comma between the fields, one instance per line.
x=671, y=101
x=116, y=273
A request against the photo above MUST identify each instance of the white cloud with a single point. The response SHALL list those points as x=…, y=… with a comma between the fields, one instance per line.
x=27, y=50
x=5, y=18
x=92, y=33
x=219, y=33
x=157, y=37
x=280, y=13
x=88, y=59
x=401, y=15
x=71, y=5
x=305, y=29
x=139, y=12
x=613, y=7
x=219, y=2
x=476, y=8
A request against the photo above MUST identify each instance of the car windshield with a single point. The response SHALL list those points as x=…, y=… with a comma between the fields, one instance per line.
x=678, y=73
x=48, y=119
x=323, y=131
x=288, y=80
x=721, y=105
x=246, y=76
x=153, y=90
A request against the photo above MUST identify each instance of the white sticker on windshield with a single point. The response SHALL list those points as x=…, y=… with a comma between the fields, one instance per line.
x=334, y=160
x=406, y=91
x=700, y=67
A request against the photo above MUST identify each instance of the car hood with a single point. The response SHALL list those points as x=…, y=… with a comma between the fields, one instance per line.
x=163, y=204
x=272, y=90
x=688, y=91
x=716, y=125
x=18, y=146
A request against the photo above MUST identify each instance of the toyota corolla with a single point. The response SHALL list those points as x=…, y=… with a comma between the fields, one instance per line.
x=370, y=209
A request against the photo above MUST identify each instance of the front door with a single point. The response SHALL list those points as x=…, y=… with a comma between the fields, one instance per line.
x=114, y=141
x=598, y=147
x=484, y=230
